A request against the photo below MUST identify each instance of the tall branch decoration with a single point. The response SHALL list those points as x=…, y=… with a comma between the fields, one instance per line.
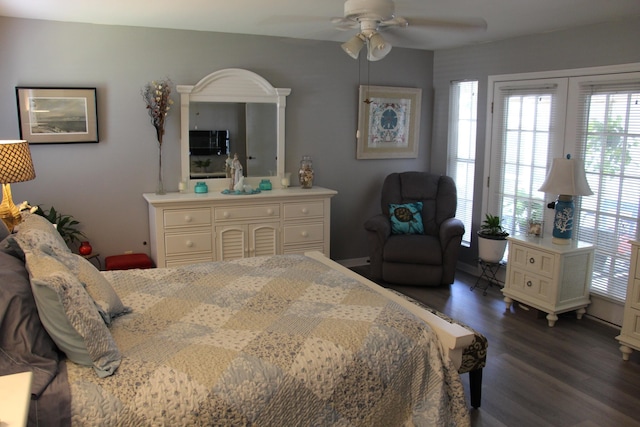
x=157, y=97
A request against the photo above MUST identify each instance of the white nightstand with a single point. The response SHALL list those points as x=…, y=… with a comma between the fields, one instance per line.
x=630, y=335
x=15, y=394
x=552, y=278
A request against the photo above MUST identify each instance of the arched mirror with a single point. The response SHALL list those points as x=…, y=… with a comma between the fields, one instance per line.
x=230, y=112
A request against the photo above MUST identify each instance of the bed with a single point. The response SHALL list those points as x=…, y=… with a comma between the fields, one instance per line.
x=265, y=341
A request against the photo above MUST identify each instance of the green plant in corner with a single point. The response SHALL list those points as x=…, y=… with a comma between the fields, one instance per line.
x=491, y=228
x=65, y=224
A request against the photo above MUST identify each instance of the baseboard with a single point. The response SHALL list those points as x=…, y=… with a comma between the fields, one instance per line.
x=353, y=262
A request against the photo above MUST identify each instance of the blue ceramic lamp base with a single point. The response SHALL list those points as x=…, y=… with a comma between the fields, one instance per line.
x=563, y=220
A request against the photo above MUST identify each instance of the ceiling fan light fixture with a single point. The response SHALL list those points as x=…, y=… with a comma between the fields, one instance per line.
x=378, y=48
x=354, y=45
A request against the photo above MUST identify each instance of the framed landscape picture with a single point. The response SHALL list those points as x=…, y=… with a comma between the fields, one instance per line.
x=388, y=122
x=57, y=115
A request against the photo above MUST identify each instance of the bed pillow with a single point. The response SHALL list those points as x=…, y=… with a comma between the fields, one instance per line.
x=69, y=314
x=4, y=231
x=35, y=231
x=406, y=218
x=24, y=343
x=108, y=303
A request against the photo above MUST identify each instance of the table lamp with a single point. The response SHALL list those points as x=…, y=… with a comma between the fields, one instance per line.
x=566, y=179
x=15, y=166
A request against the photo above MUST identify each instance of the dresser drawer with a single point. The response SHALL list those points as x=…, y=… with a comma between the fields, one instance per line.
x=303, y=233
x=535, y=261
x=531, y=285
x=249, y=212
x=294, y=211
x=187, y=217
x=185, y=243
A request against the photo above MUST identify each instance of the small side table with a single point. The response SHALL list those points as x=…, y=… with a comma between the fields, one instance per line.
x=488, y=275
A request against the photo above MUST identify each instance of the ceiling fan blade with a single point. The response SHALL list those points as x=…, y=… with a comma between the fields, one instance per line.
x=471, y=24
x=344, y=24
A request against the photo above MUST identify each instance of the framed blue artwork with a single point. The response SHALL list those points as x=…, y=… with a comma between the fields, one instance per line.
x=388, y=122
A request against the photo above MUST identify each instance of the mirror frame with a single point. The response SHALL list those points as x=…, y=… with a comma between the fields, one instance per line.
x=231, y=85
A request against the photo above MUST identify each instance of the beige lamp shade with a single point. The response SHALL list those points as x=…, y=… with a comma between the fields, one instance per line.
x=567, y=177
x=15, y=166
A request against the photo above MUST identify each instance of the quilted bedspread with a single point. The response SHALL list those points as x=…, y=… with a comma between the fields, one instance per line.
x=267, y=341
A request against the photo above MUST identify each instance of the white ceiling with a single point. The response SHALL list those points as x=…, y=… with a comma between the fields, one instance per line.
x=311, y=19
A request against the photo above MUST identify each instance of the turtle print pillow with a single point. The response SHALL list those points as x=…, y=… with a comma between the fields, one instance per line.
x=406, y=218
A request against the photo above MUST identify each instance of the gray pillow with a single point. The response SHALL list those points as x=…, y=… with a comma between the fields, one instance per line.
x=24, y=343
x=69, y=314
x=4, y=231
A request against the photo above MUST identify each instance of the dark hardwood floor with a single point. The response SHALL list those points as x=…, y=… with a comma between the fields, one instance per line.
x=571, y=375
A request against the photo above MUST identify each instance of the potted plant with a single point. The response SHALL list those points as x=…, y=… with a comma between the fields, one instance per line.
x=492, y=240
x=202, y=165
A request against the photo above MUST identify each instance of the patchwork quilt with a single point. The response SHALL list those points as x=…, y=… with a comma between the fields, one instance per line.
x=266, y=341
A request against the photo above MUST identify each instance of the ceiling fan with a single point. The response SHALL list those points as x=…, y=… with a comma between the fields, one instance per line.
x=373, y=16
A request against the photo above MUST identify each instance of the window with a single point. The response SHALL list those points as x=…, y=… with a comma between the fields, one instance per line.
x=589, y=114
x=462, y=148
x=608, y=138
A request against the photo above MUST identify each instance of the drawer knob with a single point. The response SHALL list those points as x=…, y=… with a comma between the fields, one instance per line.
x=188, y=218
x=189, y=244
x=305, y=210
x=532, y=260
x=225, y=214
x=529, y=283
x=269, y=211
x=305, y=234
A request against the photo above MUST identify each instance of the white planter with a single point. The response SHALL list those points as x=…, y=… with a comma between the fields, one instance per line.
x=491, y=250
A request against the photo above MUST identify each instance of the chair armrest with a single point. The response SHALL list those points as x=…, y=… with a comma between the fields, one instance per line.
x=380, y=225
x=449, y=229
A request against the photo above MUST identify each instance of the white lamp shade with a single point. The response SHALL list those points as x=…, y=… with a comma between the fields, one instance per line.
x=567, y=177
x=353, y=46
x=378, y=48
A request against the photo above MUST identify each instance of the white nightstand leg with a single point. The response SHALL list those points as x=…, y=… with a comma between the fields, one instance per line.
x=580, y=312
x=508, y=301
x=626, y=352
x=552, y=318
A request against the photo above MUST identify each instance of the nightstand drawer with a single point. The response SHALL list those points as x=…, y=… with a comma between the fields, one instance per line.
x=530, y=285
x=188, y=243
x=303, y=233
x=535, y=261
x=251, y=212
x=187, y=217
x=303, y=210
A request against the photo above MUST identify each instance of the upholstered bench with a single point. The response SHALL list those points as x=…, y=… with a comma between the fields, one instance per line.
x=127, y=261
x=474, y=356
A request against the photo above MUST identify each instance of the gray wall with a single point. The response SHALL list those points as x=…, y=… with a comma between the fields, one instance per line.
x=597, y=45
x=102, y=184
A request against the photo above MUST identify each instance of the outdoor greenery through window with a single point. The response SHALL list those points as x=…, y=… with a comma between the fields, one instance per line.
x=462, y=148
x=609, y=138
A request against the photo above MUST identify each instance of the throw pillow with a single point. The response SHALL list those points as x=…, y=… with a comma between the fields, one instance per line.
x=69, y=314
x=108, y=303
x=35, y=231
x=406, y=218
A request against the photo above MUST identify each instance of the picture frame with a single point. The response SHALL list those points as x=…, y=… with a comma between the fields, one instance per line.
x=49, y=115
x=388, y=122
x=535, y=227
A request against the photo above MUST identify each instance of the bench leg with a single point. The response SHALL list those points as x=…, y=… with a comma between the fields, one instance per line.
x=475, y=387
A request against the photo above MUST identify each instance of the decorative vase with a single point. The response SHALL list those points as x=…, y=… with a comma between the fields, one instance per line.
x=306, y=172
x=85, y=248
x=160, y=187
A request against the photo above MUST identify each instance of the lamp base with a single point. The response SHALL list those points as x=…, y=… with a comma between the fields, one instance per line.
x=560, y=241
x=9, y=213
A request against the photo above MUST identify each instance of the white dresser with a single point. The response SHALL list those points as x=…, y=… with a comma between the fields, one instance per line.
x=189, y=228
x=629, y=337
x=549, y=277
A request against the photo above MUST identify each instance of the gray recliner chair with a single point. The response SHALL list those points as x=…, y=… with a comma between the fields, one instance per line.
x=416, y=259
